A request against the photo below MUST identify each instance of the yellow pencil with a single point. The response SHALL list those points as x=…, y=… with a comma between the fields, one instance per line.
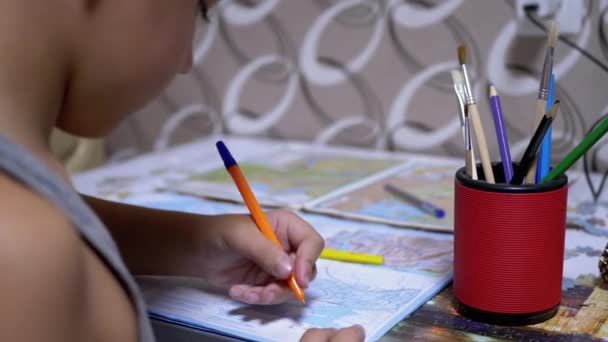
x=360, y=258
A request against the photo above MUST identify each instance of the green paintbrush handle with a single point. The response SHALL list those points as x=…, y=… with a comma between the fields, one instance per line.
x=578, y=151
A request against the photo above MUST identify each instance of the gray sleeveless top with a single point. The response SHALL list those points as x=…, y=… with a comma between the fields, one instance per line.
x=21, y=165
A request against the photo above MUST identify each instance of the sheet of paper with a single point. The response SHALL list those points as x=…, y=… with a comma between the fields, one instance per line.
x=289, y=174
x=429, y=179
x=582, y=212
x=582, y=253
x=418, y=265
x=152, y=172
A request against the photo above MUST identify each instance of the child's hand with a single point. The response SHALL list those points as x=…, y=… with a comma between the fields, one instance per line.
x=239, y=258
x=351, y=334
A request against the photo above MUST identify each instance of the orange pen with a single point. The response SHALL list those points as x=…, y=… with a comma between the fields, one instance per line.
x=254, y=208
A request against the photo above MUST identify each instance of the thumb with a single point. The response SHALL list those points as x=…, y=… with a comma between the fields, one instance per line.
x=268, y=256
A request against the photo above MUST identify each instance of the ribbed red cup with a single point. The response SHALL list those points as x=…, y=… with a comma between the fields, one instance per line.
x=509, y=249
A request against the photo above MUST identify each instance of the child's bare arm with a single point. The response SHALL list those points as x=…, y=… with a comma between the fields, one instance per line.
x=226, y=250
x=41, y=267
x=150, y=241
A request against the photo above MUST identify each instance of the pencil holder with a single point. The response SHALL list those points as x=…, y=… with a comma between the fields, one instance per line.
x=508, y=249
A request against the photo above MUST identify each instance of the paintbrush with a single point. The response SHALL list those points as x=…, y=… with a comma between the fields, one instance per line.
x=528, y=158
x=543, y=88
x=473, y=113
x=459, y=89
x=469, y=158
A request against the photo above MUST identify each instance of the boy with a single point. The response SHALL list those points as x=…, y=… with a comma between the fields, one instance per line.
x=82, y=65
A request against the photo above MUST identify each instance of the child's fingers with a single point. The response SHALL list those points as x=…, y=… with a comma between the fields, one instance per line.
x=354, y=333
x=303, y=239
x=256, y=247
x=270, y=294
x=318, y=335
x=350, y=334
x=306, y=257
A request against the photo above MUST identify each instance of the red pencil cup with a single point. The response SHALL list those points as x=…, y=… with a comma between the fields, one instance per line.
x=508, y=249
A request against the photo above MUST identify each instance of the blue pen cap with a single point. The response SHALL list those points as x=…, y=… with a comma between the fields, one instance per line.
x=431, y=209
x=225, y=154
x=439, y=213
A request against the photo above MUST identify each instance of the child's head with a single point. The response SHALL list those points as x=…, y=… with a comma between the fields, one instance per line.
x=113, y=55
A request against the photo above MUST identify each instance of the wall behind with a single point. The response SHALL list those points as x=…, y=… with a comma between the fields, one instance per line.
x=368, y=73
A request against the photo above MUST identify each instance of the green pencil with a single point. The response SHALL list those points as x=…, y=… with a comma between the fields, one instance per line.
x=578, y=151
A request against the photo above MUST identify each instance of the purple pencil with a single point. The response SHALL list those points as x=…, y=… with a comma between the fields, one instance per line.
x=501, y=134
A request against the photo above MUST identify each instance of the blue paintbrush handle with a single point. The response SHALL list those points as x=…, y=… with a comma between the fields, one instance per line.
x=544, y=158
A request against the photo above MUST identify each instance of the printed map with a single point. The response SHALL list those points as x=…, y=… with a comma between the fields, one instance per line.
x=289, y=177
x=377, y=297
x=431, y=183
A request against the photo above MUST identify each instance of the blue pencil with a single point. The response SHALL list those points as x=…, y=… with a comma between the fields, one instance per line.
x=544, y=157
x=427, y=207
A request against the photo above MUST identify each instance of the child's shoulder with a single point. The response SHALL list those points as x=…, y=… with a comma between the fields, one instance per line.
x=34, y=234
x=49, y=276
x=41, y=266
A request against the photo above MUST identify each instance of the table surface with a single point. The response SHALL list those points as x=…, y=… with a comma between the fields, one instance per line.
x=582, y=315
